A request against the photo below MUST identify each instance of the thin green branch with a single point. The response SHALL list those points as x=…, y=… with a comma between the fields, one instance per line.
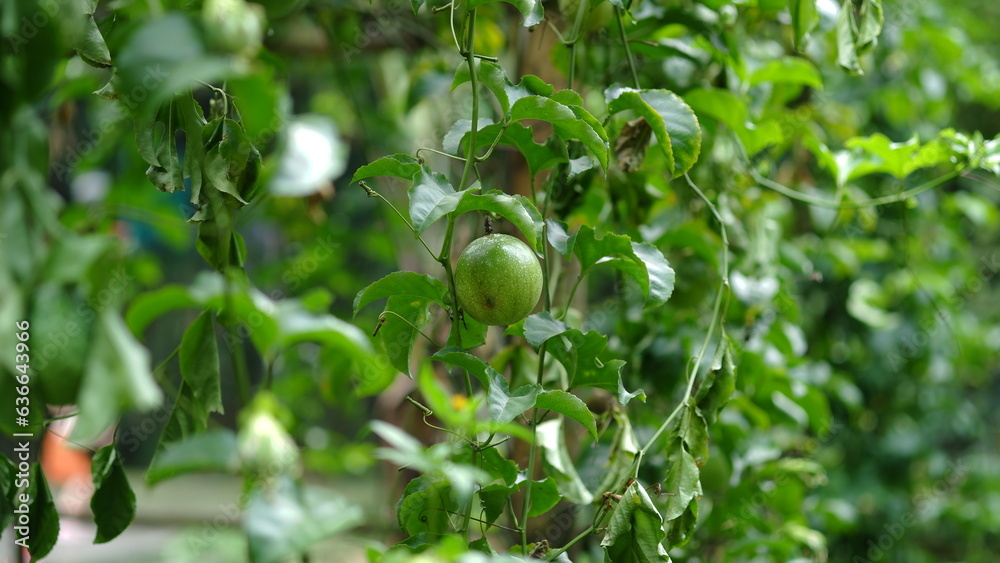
x=872, y=202
x=580, y=12
x=382, y=320
x=628, y=50
x=435, y=151
x=470, y=59
x=718, y=313
x=373, y=193
x=572, y=294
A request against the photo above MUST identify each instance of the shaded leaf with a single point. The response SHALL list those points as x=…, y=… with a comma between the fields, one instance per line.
x=789, y=70
x=43, y=524
x=423, y=506
x=199, y=362
x=290, y=518
x=846, y=30
x=558, y=463
x=113, y=502
x=214, y=450
x=683, y=482
x=804, y=20
x=117, y=378
x=635, y=531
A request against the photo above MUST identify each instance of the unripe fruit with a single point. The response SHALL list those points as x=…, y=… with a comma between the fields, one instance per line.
x=498, y=280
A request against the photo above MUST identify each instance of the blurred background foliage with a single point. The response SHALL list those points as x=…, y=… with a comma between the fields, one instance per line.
x=866, y=338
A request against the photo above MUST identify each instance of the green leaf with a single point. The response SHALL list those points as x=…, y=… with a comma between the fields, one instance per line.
x=73, y=258
x=683, y=482
x=503, y=405
x=113, y=502
x=558, y=463
x=513, y=208
x=494, y=78
x=214, y=450
x=456, y=136
x=558, y=236
x=117, y=378
x=296, y=325
x=544, y=496
x=693, y=430
x=568, y=123
x=569, y=405
x=624, y=447
x=898, y=159
x=166, y=174
x=641, y=261
x=409, y=295
x=7, y=490
x=680, y=529
x=846, y=30
x=416, y=285
x=719, y=386
x=397, y=334
x=290, y=518
x=493, y=500
x=721, y=105
x=423, y=505
x=578, y=353
x=804, y=20
x=540, y=327
x=164, y=56
x=674, y=123
x=43, y=526
x=259, y=99
x=188, y=417
x=396, y=165
x=498, y=466
x=530, y=9
x=191, y=118
x=199, y=362
x=539, y=156
x=431, y=197
x=869, y=25
x=635, y=531
x=788, y=70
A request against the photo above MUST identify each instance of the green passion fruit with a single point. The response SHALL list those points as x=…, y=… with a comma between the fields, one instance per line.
x=498, y=280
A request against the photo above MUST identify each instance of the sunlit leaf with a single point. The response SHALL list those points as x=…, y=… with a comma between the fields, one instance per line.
x=675, y=125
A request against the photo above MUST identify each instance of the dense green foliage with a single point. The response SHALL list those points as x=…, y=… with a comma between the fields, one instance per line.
x=768, y=234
